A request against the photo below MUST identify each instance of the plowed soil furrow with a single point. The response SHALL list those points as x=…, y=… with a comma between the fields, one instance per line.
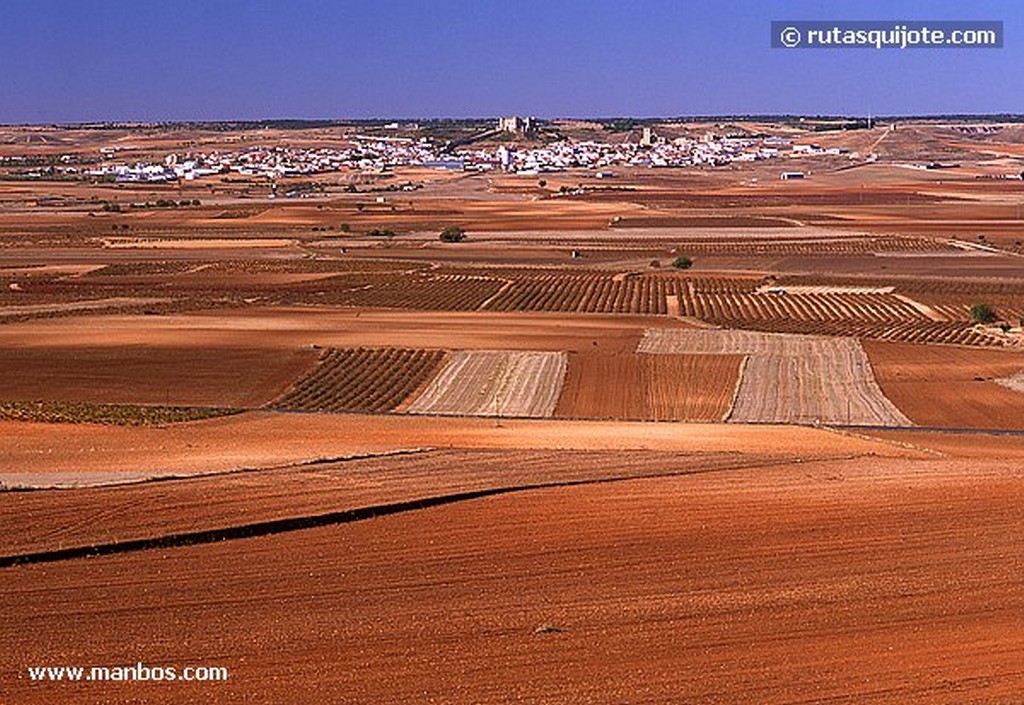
x=649, y=387
x=776, y=586
x=791, y=378
x=363, y=380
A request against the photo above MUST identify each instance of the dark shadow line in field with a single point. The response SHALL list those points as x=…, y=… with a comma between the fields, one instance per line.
x=280, y=526
x=186, y=477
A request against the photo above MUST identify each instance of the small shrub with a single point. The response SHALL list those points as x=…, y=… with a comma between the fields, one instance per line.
x=381, y=232
x=452, y=233
x=682, y=263
x=982, y=313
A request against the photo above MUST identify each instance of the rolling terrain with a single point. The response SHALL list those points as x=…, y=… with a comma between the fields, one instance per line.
x=304, y=439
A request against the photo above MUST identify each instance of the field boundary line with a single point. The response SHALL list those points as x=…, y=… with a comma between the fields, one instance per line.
x=736, y=389
x=509, y=283
x=184, y=477
x=849, y=432
x=287, y=525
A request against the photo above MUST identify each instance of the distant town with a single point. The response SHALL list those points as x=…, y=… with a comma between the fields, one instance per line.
x=515, y=153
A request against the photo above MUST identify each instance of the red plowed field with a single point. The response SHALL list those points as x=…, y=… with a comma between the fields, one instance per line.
x=649, y=387
x=857, y=582
x=147, y=374
x=949, y=387
x=48, y=520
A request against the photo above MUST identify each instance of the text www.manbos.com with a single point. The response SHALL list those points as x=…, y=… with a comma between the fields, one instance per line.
x=887, y=35
x=138, y=673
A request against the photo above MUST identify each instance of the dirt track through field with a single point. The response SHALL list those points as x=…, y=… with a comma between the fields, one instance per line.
x=494, y=383
x=791, y=378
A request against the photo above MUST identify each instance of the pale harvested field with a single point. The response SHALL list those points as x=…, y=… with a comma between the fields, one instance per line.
x=1016, y=382
x=791, y=378
x=494, y=383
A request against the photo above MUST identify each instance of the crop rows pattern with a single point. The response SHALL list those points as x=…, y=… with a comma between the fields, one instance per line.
x=790, y=378
x=363, y=379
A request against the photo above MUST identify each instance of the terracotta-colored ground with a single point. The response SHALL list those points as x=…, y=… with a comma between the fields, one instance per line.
x=105, y=372
x=649, y=387
x=949, y=386
x=762, y=564
x=859, y=582
x=48, y=520
x=291, y=327
x=43, y=454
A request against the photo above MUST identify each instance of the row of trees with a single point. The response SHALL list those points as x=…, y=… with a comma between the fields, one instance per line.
x=112, y=207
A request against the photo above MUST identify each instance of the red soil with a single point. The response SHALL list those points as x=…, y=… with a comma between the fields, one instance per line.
x=949, y=386
x=145, y=374
x=35, y=453
x=649, y=387
x=848, y=582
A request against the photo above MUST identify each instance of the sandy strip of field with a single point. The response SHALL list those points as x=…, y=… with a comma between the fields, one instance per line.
x=195, y=244
x=51, y=269
x=494, y=383
x=791, y=378
x=88, y=305
x=865, y=581
x=769, y=234
x=289, y=327
x=47, y=454
x=798, y=290
x=928, y=311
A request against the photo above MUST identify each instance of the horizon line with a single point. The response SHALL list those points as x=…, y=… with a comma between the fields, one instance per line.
x=1012, y=117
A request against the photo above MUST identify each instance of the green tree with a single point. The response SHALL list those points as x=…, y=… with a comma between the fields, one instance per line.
x=452, y=233
x=983, y=313
x=682, y=263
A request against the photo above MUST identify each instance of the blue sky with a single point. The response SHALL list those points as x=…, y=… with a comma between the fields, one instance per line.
x=85, y=60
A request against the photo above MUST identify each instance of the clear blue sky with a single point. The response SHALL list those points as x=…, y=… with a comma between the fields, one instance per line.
x=85, y=60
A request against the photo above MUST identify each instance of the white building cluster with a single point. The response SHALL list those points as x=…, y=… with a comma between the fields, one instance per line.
x=371, y=153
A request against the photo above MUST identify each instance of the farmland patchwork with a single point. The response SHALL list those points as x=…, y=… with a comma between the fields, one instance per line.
x=790, y=378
